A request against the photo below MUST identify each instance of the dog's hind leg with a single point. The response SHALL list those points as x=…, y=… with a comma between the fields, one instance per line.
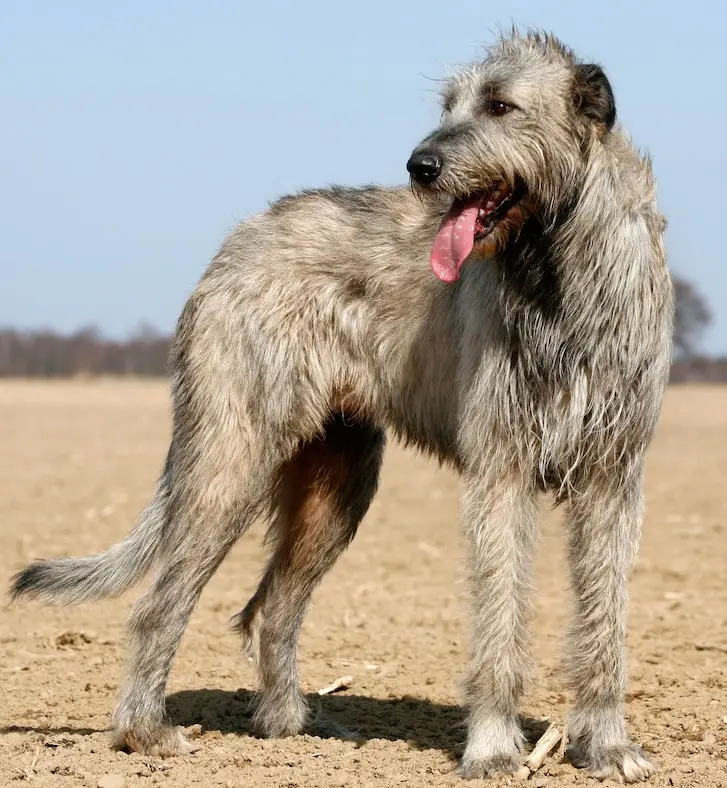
x=325, y=492
x=500, y=520
x=211, y=511
x=604, y=529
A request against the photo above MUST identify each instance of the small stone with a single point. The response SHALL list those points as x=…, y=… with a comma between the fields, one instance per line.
x=111, y=781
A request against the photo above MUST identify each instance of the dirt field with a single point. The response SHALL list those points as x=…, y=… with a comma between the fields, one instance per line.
x=78, y=463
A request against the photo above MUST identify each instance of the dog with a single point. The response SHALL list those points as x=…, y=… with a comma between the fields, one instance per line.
x=509, y=313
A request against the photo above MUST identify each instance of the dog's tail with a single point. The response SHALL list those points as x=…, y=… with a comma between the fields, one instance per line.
x=68, y=581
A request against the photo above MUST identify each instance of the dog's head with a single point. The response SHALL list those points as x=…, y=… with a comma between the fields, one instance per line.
x=510, y=144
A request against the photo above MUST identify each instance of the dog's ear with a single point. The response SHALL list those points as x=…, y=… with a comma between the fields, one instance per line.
x=593, y=95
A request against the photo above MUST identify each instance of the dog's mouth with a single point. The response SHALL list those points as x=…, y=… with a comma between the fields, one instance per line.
x=468, y=221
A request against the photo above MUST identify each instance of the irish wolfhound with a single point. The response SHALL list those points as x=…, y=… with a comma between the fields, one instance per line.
x=539, y=365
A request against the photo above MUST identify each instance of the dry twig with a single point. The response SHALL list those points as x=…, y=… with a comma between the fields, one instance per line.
x=342, y=683
x=545, y=744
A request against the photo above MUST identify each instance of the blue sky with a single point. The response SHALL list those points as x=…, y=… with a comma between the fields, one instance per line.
x=134, y=135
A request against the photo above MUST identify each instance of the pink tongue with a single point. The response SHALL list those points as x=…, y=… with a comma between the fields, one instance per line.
x=455, y=240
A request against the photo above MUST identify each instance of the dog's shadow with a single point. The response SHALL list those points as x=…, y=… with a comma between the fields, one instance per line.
x=422, y=723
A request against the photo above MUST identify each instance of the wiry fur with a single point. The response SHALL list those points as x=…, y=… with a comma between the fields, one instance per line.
x=319, y=325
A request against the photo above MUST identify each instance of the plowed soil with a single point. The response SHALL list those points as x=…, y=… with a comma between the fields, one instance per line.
x=79, y=461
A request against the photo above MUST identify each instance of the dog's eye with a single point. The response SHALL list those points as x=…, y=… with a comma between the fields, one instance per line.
x=498, y=108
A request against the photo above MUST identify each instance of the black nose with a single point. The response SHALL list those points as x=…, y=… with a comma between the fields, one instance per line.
x=424, y=167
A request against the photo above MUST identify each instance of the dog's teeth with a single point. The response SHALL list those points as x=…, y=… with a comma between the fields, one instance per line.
x=490, y=205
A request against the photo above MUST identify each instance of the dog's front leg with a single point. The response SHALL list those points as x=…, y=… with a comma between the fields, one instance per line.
x=500, y=521
x=604, y=528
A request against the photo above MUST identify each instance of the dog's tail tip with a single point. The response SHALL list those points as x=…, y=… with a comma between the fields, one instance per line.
x=28, y=582
x=68, y=581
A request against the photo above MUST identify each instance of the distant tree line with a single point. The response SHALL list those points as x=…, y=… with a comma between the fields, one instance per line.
x=47, y=354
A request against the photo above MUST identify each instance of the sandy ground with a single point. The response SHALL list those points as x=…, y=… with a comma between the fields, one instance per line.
x=78, y=463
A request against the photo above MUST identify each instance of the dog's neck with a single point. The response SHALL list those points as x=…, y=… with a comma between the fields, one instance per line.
x=574, y=287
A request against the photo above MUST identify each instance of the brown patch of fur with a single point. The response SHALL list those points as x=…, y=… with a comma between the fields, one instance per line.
x=312, y=482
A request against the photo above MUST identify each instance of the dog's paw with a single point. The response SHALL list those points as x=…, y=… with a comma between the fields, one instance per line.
x=279, y=718
x=625, y=763
x=494, y=746
x=479, y=768
x=164, y=741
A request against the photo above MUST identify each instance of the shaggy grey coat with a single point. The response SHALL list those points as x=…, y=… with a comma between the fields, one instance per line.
x=319, y=325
